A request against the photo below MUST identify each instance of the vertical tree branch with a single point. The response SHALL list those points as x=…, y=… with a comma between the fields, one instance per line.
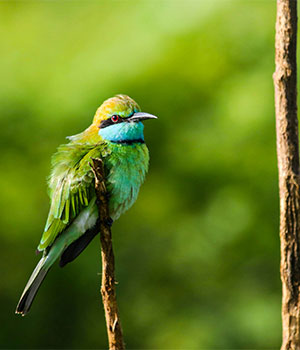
x=285, y=81
x=108, y=292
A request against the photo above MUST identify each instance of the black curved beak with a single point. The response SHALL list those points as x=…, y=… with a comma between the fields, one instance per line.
x=140, y=116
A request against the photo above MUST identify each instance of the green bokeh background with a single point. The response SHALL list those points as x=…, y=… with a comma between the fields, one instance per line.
x=197, y=257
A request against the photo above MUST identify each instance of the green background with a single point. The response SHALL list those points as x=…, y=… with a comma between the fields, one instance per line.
x=197, y=257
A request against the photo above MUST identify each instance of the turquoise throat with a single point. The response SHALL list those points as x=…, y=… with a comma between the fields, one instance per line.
x=127, y=132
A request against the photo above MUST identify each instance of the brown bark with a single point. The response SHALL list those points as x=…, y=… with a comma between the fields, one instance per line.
x=285, y=80
x=108, y=292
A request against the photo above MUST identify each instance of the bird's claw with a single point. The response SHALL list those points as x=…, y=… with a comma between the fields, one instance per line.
x=109, y=222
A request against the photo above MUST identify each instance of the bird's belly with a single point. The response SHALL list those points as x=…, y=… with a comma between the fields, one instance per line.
x=127, y=165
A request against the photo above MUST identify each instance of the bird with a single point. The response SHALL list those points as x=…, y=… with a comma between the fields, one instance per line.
x=116, y=136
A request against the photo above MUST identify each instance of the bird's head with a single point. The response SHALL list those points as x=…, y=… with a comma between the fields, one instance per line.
x=119, y=119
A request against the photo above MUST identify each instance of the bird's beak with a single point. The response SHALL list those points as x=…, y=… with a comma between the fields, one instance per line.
x=140, y=116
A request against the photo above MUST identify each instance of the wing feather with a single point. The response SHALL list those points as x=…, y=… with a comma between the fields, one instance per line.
x=71, y=186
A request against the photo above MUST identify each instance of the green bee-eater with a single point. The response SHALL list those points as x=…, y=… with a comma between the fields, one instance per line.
x=116, y=136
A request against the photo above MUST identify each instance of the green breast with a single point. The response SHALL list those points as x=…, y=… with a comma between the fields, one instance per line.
x=126, y=166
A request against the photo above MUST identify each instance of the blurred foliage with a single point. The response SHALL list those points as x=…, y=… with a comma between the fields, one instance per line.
x=197, y=257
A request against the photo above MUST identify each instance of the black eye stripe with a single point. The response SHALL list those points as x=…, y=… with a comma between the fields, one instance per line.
x=107, y=122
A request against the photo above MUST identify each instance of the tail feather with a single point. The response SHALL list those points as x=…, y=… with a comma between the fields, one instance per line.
x=32, y=286
x=85, y=220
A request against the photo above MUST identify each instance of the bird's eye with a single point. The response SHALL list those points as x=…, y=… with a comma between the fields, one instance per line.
x=115, y=118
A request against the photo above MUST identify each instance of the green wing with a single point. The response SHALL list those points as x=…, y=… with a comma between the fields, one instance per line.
x=71, y=186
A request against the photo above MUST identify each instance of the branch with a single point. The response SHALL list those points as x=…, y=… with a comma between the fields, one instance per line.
x=108, y=292
x=285, y=81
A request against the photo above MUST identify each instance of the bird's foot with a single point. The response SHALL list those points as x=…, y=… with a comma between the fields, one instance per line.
x=109, y=222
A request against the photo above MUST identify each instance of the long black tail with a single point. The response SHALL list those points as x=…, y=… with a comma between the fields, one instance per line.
x=32, y=287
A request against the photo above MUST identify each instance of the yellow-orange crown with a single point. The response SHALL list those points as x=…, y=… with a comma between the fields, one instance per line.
x=121, y=105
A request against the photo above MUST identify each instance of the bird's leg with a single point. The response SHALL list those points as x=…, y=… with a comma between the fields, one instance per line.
x=109, y=222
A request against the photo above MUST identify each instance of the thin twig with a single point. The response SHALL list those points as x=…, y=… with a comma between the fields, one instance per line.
x=108, y=292
x=285, y=81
